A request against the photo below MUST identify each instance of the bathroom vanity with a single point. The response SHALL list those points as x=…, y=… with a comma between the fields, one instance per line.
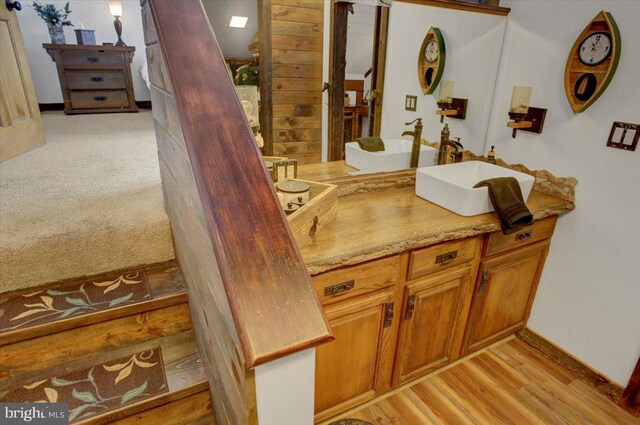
x=408, y=286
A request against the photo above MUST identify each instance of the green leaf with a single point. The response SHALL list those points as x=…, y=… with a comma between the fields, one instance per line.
x=55, y=292
x=59, y=382
x=76, y=301
x=120, y=300
x=133, y=393
x=75, y=412
x=83, y=396
x=70, y=311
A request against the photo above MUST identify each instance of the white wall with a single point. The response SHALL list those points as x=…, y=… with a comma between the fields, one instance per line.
x=360, y=39
x=473, y=44
x=587, y=302
x=94, y=14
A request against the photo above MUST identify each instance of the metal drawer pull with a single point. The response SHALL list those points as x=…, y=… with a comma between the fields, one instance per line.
x=97, y=79
x=339, y=288
x=521, y=237
x=388, y=314
x=411, y=305
x=484, y=281
x=93, y=59
x=100, y=98
x=445, y=258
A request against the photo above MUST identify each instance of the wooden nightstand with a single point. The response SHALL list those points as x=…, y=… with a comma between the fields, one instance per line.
x=94, y=79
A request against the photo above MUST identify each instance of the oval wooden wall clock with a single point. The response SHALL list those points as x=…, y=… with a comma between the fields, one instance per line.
x=592, y=62
x=431, y=59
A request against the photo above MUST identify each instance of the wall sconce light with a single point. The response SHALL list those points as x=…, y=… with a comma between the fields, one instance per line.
x=448, y=105
x=525, y=117
x=115, y=6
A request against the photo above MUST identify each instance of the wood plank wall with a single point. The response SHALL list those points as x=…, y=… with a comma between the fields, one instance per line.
x=296, y=40
x=232, y=388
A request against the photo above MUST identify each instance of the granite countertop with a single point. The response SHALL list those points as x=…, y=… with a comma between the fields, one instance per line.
x=392, y=220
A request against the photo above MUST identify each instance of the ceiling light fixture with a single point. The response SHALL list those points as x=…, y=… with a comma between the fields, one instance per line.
x=238, y=21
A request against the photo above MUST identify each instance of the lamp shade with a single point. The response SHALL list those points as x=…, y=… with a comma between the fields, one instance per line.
x=520, y=100
x=115, y=6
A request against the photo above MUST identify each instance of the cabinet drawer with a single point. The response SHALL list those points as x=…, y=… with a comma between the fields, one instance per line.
x=540, y=230
x=82, y=80
x=92, y=59
x=439, y=257
x=99, y=99
x=349, y=282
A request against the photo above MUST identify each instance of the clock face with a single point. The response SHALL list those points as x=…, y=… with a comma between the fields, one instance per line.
x=431, y=52
x=595, y=49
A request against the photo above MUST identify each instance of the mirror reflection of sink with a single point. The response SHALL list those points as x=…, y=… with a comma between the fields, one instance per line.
x=396, y=156
x=451, y=186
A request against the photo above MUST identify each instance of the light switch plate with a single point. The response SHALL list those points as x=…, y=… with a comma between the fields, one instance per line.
x=624, y=136
x=411, y=103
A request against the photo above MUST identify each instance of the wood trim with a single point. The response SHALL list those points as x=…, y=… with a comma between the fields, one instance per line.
x=337, y=64
x=266, y=75
x=266, y=282
x=631, y=396
x=601, y=383
x=457, y=5
x=379, y=66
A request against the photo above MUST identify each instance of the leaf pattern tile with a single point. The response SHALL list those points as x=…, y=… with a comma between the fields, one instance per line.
x=101, y=388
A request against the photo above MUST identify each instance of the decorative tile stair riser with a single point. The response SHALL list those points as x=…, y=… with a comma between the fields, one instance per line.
x=101, y=388
x=73, y=299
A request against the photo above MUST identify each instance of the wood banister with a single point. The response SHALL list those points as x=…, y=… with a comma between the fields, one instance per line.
x=269, y=292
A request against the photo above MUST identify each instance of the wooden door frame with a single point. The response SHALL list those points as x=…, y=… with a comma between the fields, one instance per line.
x=337, y=63
x=266, y=75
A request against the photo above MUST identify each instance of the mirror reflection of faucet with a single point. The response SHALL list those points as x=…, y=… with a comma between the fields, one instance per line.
x=445, y=143
x=417, y=141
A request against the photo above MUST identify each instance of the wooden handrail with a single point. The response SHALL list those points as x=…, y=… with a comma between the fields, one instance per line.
x=275, y=309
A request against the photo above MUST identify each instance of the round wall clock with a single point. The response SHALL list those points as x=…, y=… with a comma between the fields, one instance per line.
x=431, y=60
x=431, y=52
x=592, y=62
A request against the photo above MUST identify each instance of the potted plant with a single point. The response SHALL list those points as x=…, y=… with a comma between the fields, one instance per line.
x=55, y=19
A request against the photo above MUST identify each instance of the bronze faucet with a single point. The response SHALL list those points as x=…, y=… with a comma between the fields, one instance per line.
x=417, y=137
x=445, y=142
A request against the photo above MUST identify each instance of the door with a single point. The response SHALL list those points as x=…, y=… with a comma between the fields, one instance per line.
x=504, y=294
x=433, y=320
x=20, y=123
x=346, y=368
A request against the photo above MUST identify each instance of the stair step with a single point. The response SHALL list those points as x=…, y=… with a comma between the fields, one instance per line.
x=142, y=380
x=73, y=303
x=192, y=410
x=21, y=360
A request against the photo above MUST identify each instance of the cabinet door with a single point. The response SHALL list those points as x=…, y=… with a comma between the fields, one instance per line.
x=435, y=313
x=503, y=295
x=346, y=368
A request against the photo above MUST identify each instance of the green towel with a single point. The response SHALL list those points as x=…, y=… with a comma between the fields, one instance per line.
x=506, y=198
x=370, y=144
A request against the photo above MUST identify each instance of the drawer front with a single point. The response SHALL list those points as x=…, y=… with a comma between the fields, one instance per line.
x=92, y=59
x=540, y=230
x=99, y=99
x=442, y=256
x=81, y=80
x=349, y=282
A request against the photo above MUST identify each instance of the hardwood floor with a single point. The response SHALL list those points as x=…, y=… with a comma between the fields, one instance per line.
x=507, y=383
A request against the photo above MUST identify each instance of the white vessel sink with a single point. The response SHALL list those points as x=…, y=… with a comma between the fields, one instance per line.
x=451, y=186
x=396, y=156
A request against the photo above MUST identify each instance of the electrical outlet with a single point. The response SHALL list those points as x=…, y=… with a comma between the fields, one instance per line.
x=411, y=103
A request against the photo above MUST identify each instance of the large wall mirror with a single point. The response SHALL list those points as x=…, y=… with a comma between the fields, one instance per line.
x=314, y=75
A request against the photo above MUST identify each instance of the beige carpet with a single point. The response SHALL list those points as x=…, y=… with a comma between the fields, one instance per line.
x=89, y=201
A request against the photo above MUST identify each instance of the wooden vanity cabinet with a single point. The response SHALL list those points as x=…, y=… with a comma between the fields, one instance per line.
x=504, y=292
x=347, y=368
x=432, y=324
